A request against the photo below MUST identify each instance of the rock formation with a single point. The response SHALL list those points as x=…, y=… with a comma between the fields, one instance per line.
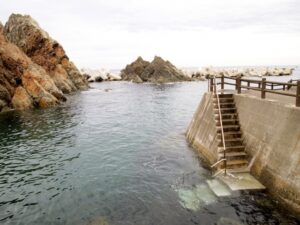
x=25, y=32
x=133, y=71
x=158, y=71
x=37, y=78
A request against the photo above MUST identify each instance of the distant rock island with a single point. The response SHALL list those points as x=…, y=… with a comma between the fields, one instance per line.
x=158, y=71
x=34, y=69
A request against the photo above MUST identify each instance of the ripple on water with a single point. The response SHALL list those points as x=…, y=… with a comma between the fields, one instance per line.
x=116, y=157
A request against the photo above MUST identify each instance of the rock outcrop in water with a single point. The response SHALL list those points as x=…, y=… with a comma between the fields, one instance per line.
x=158, y=71
x=33, y=82
x=25, y=32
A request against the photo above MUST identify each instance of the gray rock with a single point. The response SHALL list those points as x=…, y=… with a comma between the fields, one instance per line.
x=133, y=71
x=158, y=71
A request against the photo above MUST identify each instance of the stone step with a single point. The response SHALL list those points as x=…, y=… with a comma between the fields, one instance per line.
x=225, y=110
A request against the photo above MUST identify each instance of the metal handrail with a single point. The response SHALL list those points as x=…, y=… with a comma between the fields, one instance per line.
x=221, y=124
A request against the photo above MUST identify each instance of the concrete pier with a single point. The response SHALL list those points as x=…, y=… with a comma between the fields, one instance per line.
x=271, y=134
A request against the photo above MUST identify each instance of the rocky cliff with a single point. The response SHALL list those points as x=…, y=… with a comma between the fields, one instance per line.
x=33, y=73
x=158, y=71
x=25, y=32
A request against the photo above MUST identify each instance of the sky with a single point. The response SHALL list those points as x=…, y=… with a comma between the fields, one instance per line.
x=189, y=33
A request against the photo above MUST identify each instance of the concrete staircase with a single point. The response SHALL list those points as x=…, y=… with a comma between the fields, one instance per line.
x=235, y=155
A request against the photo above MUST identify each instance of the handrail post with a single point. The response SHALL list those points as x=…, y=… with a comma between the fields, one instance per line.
x=263, y=88
x=222, y=81
x=238, y=85
x=211, y=84
x=298, y=94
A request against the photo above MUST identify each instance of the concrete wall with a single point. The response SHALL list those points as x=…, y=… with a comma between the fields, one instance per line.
x=201, y=132
x=271, y=133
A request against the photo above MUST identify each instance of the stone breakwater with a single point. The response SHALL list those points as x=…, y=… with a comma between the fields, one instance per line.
x=99, y=75
x=240, y=72
x=34, y=69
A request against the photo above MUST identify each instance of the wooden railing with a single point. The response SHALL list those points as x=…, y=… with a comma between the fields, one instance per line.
x=263, y=86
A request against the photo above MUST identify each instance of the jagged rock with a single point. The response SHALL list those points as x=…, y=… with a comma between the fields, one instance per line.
x=162, y=71
x=158, y=71
x=25, y=32
x=133, y=71
x=24, y=84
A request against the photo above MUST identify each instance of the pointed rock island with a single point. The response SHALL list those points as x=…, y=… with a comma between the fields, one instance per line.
x=158, y=71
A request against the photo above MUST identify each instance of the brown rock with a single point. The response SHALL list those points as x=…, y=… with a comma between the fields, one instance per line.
x=44, y=51
x=133, y=71
x=162, y=71
x=22, y=99
x=158, y=71
x=24, y=84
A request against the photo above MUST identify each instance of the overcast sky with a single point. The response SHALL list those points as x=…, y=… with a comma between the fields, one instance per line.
x=112, y=33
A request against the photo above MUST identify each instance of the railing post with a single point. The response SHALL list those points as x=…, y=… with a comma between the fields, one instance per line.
x=222, y=81
x=298, y=94
x=263, y=88
x=211, y=84
x=238, y=85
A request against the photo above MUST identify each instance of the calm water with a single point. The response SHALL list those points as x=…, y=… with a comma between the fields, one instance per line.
x=115, y=154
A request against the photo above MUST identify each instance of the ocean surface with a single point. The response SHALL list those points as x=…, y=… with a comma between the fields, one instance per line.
x=116, y=154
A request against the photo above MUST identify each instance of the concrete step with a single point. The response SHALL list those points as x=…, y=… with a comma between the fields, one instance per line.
x=227, y=116
x=232, y=155
x=228, y=99
x=228, y=128
x=238, y=148
x=230, y=135
x=227, y=122
x=225, y=95
x=225, y=110
x=232, y=164
x=230, y=143
x=243, y=169
x=224, y=105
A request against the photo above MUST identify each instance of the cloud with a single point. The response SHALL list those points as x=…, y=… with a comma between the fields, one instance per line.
x=189, y=33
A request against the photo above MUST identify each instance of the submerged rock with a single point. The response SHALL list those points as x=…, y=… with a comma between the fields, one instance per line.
x=196, y=197
x=158, y=71
x=25, y=32
x=97, y=221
